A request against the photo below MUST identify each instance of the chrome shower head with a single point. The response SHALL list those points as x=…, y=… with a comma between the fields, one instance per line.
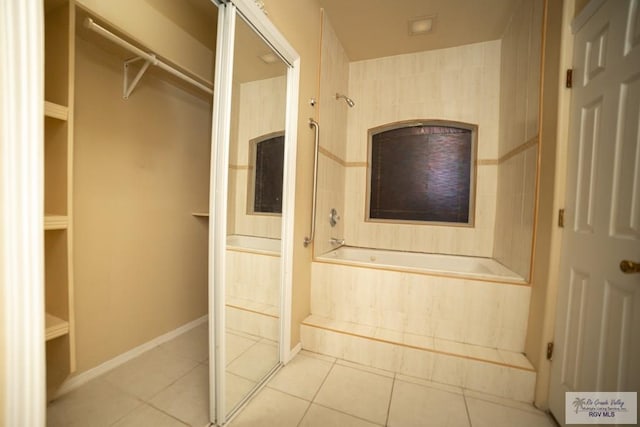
x=349, y=101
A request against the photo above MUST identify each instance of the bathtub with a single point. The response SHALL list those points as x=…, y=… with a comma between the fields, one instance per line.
x=435, y=264
x=468, y=300
x=260, y=245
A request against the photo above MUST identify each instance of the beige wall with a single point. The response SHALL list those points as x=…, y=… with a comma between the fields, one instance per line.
x=518, y=150
x=141, y=167
x=183, y=35
x=299, y=22
x=261, y=111
x=458, y=84
x=334, y=78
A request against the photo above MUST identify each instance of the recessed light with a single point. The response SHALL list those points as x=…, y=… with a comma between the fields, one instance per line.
x=269, y=58
x=421, y=25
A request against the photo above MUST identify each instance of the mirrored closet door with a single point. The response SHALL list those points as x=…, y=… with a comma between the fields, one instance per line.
x=249, y=205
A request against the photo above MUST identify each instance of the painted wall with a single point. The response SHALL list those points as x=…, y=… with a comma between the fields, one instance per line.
x=334, y=78
x=261, y=111
x=141, y=167
x=299, y=21
x=458, y=84
x=518, y=150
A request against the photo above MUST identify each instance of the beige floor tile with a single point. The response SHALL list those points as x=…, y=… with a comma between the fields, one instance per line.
x=188, y=398
x=431, y=384
x=256, y=362
x=319, y=416
x=301, y=377
x=371, y=369
x=272, y=408
x=416, y=405
x=96, y=403
x=147, y=416
x=236, y=345
x=193, y=344
x=236, y=388
x=487, y=414
x=355, y=392
x=501, y=401
x=317, y=356
x=150, y=373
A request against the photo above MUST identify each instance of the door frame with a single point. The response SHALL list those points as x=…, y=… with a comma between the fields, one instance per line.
x=218, y=200
x=22, y=353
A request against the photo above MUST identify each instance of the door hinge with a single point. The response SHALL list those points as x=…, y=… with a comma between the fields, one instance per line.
x=549, y=350
x=561, y=218
x=569, y=80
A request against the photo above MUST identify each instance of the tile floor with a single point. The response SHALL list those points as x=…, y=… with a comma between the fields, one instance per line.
x=168, y=386
x=317, y=390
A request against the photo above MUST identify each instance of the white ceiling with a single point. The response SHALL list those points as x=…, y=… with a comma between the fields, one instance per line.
x=377, y=28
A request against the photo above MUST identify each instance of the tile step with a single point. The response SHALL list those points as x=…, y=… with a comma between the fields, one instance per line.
x=498, y=372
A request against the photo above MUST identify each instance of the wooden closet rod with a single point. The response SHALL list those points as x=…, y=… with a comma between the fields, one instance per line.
x=150, y=59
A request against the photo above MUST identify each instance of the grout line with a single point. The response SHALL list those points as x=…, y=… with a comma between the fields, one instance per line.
x=141, y=403
x=168, y=414
x=393, y=386
x=346, y=413
x=313, y=398
x=466, y=407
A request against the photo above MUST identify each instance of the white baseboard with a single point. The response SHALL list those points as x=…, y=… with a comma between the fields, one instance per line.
x=84, y=377
x=292, y=353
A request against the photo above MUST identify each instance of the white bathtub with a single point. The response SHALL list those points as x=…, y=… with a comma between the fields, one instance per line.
x=261, y=245
x=437, y=264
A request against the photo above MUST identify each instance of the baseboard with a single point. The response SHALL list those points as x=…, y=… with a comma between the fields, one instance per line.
x=84, y=377
x=292, y=353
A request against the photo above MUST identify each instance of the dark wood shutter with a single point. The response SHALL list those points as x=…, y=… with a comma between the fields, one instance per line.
x=421, y=173
x=268, y=179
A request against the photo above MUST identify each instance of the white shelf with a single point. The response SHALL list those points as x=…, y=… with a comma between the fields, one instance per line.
x=55, y=327
x=201, y=214
x=56, y=222
x=56, y=111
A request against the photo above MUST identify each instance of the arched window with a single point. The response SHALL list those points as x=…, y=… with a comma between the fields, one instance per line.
x=265, y=174
x=422, y=171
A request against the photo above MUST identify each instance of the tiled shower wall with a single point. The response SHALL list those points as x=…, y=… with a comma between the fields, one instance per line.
x=334, y=75
x=458, y=84
x=518, y=149
x=260, y=111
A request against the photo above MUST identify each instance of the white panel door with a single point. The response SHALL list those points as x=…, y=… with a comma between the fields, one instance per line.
x=597, y=337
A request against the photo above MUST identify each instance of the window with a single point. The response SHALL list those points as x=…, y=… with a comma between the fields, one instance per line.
x=265, y=185
x=422, y=172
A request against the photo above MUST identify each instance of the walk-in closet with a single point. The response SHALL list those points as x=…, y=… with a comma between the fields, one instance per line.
x=156, y=291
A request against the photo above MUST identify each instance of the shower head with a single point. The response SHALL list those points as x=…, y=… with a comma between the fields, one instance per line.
x=349, y=101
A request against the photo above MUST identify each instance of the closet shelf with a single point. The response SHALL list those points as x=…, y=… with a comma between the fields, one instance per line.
x=201, y=214
x=55, y=327
x=56, y=111
x=56, y=222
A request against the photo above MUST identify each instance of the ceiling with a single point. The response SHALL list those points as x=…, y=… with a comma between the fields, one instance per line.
x=377, y=28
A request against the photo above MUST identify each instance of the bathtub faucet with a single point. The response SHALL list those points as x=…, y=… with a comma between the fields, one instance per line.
x=337, y=242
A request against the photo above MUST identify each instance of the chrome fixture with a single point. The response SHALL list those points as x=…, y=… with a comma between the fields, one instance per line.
x=316, y=127
x=336, y=242
x=349, y=101
x=333, y=217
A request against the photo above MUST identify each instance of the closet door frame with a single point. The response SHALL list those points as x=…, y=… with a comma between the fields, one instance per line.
x=221, y=128
x=22, y=366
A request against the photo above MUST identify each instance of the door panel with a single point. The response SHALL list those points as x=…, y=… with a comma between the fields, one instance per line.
x=598, y=305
